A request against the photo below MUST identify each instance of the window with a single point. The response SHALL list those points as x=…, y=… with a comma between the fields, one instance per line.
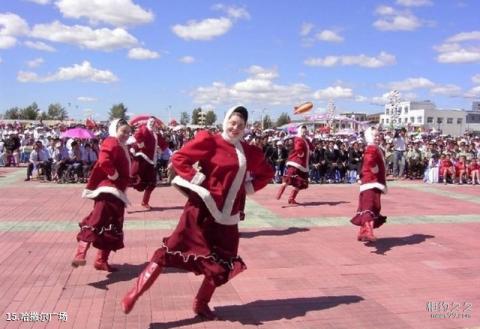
x=405, y=120
x=459, y=121
x=412, y=119
x=439, y=120
x=419, y=119
x=405, y=109
x=449, y=120
x=383, y=121
x=429, y=119
x=387, y=111
x=387, y=120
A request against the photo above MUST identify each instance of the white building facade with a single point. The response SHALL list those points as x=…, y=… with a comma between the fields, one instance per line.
x=426, y=116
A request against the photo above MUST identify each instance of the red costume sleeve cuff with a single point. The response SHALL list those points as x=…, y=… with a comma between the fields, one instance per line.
x=198, y=178
x=114, y=176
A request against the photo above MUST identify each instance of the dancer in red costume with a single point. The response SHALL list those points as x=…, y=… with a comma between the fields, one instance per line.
x=144, y=152
x=206, y=239
x=107, y=184
x=297, y=166
x=373, y=184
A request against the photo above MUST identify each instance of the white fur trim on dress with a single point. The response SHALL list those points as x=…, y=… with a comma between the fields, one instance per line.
x=198, y=178
x=92, y=194
x=297, y=165
x=370, y=186
x=225, y=216
x=143, y=155
x=249, y=187
x=114, y=176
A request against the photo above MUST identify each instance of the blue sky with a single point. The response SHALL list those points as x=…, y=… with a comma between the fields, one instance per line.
x=164, y=57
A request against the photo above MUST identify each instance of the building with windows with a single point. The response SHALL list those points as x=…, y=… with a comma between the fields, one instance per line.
x=425, y=116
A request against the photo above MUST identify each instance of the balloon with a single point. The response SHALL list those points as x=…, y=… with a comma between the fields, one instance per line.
x=303, y=108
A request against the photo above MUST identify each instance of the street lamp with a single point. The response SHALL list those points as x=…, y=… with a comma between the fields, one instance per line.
x=261, y=118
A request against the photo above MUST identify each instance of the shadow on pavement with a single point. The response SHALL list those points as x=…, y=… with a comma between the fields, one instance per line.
x=259, y=311
x=386, y=244
x=290, y=230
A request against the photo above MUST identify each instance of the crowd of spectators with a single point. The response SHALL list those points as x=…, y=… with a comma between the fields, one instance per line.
x=433, y=158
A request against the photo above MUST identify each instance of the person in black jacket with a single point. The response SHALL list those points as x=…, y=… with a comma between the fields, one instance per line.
x=331, y=159
x=355, y=155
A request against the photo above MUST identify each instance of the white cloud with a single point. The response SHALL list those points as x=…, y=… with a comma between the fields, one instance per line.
x=142, y=53
x=447, y=90
x=411, y=83
x=83, y=36
x=414, y=3
x=84, y=72
x=258, y=88
x=464, y=36
x=335, y=92
x=476, y=79
x=114, y=12
x=7, y=41
x=233, y=11
x=456, y=49
x=86, y=99
x=187, y=59
x=206, y=29
x=306, y=29
x=40, y=2
x=11, y=26
x=329, y=36
x=362, y=60
x=473, y=93
x=35, y=62
x=394, y=20
x=460, y=56
x=39, y=46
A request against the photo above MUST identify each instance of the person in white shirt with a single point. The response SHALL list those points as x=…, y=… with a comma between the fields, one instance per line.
x=399, y=147
x=39, y=160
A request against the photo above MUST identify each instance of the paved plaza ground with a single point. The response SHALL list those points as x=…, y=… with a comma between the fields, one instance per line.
x=305, y=267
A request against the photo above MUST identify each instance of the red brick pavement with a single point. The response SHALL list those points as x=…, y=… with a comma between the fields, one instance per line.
x=314, y=277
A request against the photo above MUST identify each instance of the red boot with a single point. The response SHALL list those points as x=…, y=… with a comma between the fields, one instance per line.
x=280, y=191
x=200, y=303
x=293, y=195
x=361, y=234
x=101, y=262
x=80, y=254
x=368, y=232
x=144, y=282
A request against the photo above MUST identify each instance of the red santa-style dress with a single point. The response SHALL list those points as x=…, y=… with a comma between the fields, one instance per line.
x=373, y=184
x=103, y=227
x=206, y=239
x=144, y=152
x=297, y=172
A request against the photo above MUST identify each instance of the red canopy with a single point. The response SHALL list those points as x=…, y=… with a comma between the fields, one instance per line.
x=142, y=119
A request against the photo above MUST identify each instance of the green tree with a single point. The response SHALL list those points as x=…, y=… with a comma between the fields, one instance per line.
x=57, y=112
x=118, y=111
x=12, y=114
x=210, y=118
x=195, y=115
x=267, y=122
x=30, y=112
x=282, y=119
x=184, y=118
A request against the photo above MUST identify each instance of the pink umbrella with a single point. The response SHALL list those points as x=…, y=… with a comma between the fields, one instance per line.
x=81, y=133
